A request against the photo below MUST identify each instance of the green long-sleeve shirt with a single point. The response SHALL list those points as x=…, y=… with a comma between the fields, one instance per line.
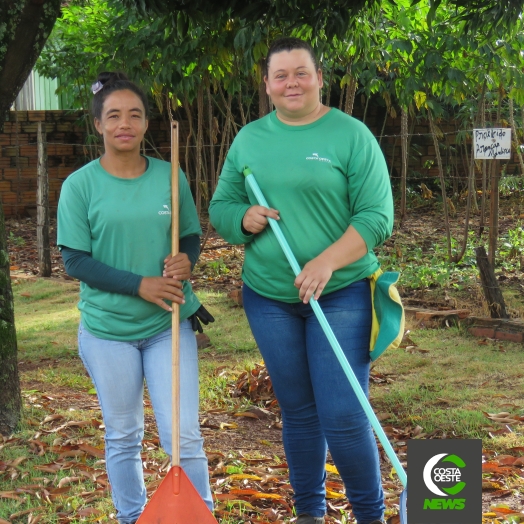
x=322, y=177
x=125, y=223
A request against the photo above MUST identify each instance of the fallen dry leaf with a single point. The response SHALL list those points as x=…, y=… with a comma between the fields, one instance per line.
x=245, y=414
x=9, y=495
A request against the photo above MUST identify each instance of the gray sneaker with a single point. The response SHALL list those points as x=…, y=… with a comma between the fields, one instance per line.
x=308, y=519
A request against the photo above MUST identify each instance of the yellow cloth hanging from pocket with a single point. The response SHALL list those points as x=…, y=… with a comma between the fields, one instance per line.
x=387, y=327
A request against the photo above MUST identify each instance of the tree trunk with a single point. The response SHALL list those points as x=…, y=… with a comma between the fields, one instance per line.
x=10, y=399
x=199, y=193
x=471, y=190
x=515, y=136
x=366, y=109
x=330, y=84
x=263, y=100
x=241, y=106
x=442, y=183
x=213, y=130
x=392, y=165
x=494, y=197
x=227, y=105
x=490, y=286
x=224, y=143
x=471, y=185
x=494, y=211
x=351, y=90
x=484, y=175
x=404, y=147
x=27, y=24
x=190, y=135
x=383, y=129
x=42, y=207
x=18, y=167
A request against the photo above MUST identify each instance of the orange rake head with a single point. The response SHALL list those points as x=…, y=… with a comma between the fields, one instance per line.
x=176, y=501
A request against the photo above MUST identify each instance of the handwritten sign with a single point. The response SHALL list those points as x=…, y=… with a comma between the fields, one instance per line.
x=492, y=143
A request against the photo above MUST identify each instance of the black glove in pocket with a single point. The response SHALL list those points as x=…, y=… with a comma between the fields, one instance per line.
x=201, y=315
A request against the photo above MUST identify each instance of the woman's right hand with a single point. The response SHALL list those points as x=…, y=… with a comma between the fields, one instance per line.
x=158, y=289
x=255, y=219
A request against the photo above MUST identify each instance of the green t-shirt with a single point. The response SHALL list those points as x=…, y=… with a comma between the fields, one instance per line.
x=322, y=177
x=126, y=224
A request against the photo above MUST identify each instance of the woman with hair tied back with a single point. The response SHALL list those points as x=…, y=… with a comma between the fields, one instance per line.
x=325, y=176
x=114, y=232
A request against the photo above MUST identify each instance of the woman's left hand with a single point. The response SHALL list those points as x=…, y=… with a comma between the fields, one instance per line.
x=177, y=267
x=313, y=279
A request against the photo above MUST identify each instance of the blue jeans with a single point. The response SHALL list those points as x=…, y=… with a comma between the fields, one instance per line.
x=118, y=370
x=319, y=407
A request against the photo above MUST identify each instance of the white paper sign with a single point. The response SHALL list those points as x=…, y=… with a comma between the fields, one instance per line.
x=492, y=143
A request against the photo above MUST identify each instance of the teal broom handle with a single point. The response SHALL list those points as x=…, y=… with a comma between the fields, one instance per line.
x=359, y=392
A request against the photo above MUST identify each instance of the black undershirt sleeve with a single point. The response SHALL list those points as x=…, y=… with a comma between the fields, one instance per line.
x=82, y=266
x=190, y=245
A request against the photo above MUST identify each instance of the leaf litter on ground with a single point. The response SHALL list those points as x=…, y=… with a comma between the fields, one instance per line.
x=249, y=487
x=73, y=447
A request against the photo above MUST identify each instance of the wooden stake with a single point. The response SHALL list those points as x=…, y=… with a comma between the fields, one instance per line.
x=42, y=207
x=175, y=323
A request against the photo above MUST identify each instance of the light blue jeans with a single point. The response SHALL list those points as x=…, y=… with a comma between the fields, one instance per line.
x=118, y=370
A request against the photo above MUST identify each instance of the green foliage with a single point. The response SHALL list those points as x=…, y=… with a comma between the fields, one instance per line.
x=394, y=52
x=512, y=247
x=511, y=184
x=17, y=241
x=218, y=267
x=79, y=44
x=424, y=266
x=331, y=18
x=418, y=57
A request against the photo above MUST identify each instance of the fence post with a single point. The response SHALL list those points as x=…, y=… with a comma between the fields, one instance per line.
x=42, y=207
x=494, y=212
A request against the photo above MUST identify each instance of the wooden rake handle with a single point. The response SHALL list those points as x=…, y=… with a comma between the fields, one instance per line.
x=175, y=322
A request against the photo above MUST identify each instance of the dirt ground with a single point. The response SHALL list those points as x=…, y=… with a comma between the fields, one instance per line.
x=219, y=266
x=256, y=438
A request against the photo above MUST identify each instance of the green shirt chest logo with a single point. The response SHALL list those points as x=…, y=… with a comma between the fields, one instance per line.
x=317, y=158
x=165, y=210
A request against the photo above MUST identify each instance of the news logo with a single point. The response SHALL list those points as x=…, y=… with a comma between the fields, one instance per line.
x=445, y=481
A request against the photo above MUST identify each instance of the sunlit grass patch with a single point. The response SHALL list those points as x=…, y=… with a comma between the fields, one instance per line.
x=71, y=375
x=46, y=318
x=449, y=388
x=230, y=332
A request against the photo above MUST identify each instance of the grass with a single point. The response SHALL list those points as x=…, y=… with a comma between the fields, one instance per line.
x=233, y=350
x=448, y=388
x=231, y=334
x=46, y=318
x=443, y=383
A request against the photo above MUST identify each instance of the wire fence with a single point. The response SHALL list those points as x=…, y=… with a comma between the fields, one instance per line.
x=420, y=168
x=462, y=132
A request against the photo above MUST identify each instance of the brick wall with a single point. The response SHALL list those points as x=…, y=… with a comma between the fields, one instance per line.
x=67, y=152
x=18, y=158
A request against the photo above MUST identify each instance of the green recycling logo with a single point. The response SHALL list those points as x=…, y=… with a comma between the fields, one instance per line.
x=433, y=476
